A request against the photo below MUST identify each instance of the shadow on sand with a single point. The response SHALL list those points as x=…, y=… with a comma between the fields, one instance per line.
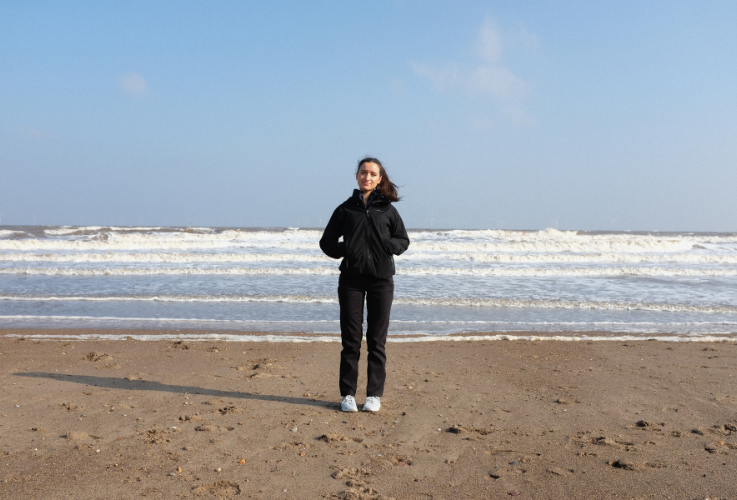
x=149, y=385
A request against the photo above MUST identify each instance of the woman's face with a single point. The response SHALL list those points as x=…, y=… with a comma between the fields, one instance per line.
x=368, y=176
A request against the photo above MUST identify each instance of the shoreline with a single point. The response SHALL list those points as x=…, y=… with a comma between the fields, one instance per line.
x=465, y=419
x=208, y=335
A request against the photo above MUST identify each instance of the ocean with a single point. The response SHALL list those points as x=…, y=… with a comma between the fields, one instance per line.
x=275, y=284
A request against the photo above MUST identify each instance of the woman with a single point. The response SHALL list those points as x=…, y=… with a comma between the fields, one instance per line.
x=372, y=232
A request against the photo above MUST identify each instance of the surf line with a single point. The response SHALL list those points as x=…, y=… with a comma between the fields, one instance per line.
x=336, y=338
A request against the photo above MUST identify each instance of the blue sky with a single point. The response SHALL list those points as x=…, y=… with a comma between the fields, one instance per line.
x=526, y=115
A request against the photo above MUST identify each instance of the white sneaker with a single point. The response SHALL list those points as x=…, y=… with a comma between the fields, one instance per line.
x=372, y=404
x=349, y=404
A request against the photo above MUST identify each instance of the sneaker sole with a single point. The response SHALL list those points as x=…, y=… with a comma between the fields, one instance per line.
x=348, y=410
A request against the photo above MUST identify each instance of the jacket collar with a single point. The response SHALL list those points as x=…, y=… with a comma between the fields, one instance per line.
x=374, y=198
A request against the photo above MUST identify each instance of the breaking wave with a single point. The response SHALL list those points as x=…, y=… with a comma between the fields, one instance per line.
x=683, y=283
x=413, y=256
x=323, y=271
x=449, y=302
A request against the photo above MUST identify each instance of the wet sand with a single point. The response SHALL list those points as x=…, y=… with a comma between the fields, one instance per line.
x=538, y=420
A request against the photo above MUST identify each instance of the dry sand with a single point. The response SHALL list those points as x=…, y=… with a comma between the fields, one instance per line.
x=539, y=420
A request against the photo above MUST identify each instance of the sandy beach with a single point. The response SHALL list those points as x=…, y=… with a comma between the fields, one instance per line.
x=542, y=420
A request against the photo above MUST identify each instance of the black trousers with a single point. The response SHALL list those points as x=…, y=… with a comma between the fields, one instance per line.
x=378, y=294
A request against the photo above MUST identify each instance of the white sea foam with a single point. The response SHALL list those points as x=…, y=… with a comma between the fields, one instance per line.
x=601, y=326
x=162, y=257
x=172, y=235
x=327, y=271
x=297, y=299
x=557, y=246
x=67, y=230
x=203, y=238
x=551, y=234
x=547, y=241
x=155, y=320
x=204, y=337
x=85, y=230
x=174, y=337
x=684, y=279
x=449, y=302
x=563, y=304
x=571, y=258
x=516, y=324
x=177, y=271
x=409, y=257
x=5, y=233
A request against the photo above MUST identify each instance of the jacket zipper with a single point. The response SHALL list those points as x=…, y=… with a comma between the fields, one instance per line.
x=368, y=234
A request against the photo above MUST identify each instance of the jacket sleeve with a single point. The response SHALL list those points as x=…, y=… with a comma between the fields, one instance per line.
x=399, y=241
x=333, y=231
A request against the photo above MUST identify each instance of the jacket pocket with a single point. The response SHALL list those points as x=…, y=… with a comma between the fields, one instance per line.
x=347, y=258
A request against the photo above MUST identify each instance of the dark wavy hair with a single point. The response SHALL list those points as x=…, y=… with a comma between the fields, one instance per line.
x=387, y=188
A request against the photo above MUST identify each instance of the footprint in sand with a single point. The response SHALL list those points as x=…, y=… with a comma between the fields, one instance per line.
x=355, y=479
x=350, y=473
x=97, y=357
x=227, y=410
x=218, y=489
x=632, y=465
x=104, y=360
x=157, y=436
x=71, y=406
x=191, y=418
x=208, y=427
x=335, y=437
x=80, y=436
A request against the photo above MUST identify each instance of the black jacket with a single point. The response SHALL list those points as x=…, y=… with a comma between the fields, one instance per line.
x=371, y=236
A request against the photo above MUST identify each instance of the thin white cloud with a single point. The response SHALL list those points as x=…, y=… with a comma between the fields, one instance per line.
x=442, y=79
x=526, y=39
x=497, y=81
x=488, y=77
x=134, y=84
x=489, y=42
